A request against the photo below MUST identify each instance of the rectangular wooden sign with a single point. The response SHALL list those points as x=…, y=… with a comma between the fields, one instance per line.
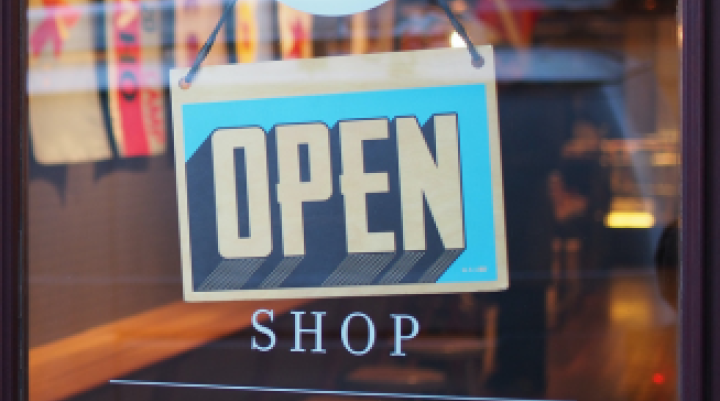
x=346, y=176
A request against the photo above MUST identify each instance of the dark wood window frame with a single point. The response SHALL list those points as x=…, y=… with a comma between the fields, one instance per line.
x=700, y=276
x=13, y=151
x=700, y=279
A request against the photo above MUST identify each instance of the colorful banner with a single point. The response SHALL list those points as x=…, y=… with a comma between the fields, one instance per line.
x=296, y=29
x=252, y=29
x=66, y=117
x=136, y=105
x=194, y=22
x=340, y=176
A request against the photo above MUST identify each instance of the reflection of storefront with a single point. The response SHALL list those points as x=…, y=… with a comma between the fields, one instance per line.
x=589, y=97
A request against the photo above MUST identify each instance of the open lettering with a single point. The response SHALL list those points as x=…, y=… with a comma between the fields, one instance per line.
x=426, y=178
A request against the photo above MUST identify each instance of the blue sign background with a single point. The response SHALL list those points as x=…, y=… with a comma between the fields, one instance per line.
x=478, y=262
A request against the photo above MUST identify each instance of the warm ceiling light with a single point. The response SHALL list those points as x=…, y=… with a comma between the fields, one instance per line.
x=629, y=220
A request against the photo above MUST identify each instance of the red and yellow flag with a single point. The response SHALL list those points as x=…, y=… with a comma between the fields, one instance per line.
x=194, y=22
x=295, y=32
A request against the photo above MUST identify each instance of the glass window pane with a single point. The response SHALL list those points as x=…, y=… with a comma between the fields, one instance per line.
x=588, y=100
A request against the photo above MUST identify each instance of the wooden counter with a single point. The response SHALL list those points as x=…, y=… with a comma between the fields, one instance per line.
x=90, y=358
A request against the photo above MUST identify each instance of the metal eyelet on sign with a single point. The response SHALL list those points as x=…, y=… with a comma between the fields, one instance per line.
x=183, y=84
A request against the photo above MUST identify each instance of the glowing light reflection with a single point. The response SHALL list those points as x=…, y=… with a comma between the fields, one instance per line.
x=629, y=220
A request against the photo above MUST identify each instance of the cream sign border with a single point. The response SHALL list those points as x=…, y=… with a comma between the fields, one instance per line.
x=322, y=76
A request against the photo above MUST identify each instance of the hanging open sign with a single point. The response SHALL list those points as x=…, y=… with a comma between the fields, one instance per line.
x=345, y=176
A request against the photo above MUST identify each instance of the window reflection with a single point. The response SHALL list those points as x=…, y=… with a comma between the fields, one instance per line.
x=589, y=121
